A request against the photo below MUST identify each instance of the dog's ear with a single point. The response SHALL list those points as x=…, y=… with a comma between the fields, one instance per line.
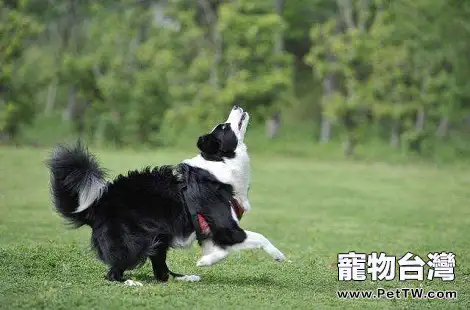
x=208, y=144
x=229, y=143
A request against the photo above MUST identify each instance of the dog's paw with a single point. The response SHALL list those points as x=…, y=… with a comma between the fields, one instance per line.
x=280, y=258
x=210, y=259
x=276, y=254
x=132, y=283
x=189, y=278
x=205, y=261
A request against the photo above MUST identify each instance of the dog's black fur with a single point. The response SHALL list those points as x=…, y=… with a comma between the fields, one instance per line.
x=219, y=144
x=139, y=215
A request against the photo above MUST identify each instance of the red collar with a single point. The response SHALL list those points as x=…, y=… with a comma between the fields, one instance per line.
x=236, y=207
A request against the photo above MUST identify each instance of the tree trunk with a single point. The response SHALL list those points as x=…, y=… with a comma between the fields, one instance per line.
x=216, y=40
x=325, y=129
x=395, y=135
x=347, y=12
x=99, y=135
x=349, y=145
x=69, y=112
x=273, y=124
x=51, y=96
x=325, y=133
x=279, y=44
x=420, y=120
x=3, y=135
x=216, y=37
x=328, y=88
x=67, y=43
x=443, y=127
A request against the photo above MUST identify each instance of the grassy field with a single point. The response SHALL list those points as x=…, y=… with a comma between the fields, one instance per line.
x=310, y=210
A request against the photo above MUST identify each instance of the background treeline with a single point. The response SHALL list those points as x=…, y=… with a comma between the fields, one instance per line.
x=130, y=72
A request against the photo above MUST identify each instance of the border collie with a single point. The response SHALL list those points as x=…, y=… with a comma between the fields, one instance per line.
x=144, y=213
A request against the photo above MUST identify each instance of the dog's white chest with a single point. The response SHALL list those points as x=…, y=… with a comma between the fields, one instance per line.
x=234, y=171
x=241, y=179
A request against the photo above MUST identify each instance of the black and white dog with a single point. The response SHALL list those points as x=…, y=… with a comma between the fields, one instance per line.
x=144, y=213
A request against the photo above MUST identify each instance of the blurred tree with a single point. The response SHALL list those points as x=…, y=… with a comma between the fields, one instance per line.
x=391, y=60
x=273, y=122
x=340, y=52
x=138, y=72
x=16, y=104
x=234, y=60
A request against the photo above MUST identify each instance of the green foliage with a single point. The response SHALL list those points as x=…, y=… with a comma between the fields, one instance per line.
x=16, y=106
x=256, y=76
x=143, y=79
x=139, y=73
x=394, y=62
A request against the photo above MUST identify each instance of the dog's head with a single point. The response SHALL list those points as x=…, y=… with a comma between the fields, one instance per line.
x=224, y=139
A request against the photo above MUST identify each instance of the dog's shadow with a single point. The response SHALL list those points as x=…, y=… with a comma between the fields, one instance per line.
x=218, y=279
x=143, y=277
x=246, y=280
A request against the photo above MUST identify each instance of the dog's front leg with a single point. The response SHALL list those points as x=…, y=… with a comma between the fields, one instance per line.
x=213, y=253
x=256, y=240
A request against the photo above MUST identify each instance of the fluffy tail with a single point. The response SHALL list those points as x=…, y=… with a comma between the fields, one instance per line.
x=77, y=181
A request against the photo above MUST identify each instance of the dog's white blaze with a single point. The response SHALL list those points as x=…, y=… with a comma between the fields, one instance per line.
x=91, y=191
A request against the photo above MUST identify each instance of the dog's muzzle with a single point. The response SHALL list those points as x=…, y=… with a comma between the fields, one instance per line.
x=243, y=115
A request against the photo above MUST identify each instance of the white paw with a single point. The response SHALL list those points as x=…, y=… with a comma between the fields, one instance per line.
x=132, y=283
x=205, y=261
x=280, y=258
x=214, y=257
x=189, y=278
x=277, y=255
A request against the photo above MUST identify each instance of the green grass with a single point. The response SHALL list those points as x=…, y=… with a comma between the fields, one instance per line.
x=311, y=210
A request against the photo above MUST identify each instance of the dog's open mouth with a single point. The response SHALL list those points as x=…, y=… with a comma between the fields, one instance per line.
x=240, y=123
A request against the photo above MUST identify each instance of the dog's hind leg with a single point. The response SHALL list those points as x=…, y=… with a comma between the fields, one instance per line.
x=161, y=271
x=158, y=259
x=116, y=274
